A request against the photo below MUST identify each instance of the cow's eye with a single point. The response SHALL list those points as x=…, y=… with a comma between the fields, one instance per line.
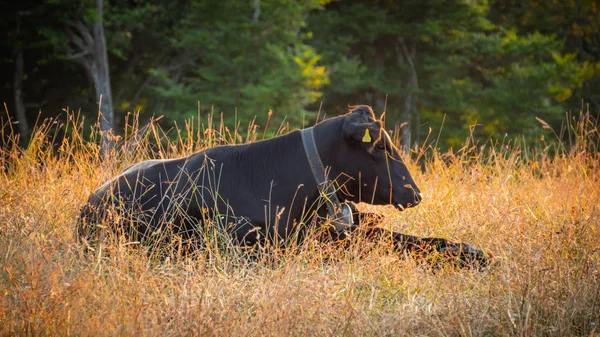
x=380, y=146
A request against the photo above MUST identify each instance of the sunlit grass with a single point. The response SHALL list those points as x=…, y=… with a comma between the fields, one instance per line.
x=535, y=211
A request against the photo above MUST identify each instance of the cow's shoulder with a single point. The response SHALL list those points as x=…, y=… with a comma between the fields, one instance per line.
x=148, y=165
x=223, y=153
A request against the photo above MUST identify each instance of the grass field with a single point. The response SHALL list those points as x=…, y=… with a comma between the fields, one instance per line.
x=537, y=212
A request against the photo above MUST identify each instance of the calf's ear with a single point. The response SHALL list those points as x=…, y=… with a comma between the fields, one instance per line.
x=362, y=133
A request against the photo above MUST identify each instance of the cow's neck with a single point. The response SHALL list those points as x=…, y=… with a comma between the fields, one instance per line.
x=340, y=214
x=329, y=138
x=284, y=158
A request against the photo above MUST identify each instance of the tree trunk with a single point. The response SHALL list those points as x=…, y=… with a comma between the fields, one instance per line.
x=412, y=86
x=417, y=121
x=256, y=14
x=379, y=98
x=18, y=91
x=93, y=56
x=18, y=84
x=405, y=119
x=102, y=79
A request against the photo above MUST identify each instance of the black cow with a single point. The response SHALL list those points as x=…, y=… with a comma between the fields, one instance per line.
x=267, y=189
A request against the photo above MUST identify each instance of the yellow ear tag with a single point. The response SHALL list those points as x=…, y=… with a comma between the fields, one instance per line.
x=367, y=137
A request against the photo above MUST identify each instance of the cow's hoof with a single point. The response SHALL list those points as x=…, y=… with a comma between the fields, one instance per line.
x=467, y=256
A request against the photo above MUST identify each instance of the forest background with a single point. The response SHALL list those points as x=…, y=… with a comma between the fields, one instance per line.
x=486, y=68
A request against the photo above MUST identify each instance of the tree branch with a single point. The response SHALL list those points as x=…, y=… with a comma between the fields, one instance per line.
x=36, y=104
x=84, y=42
x=409, y=56
x=137, y=94
x=81, y=36
x=77, y=55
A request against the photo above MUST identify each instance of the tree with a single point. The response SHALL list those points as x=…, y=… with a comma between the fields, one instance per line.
x=436, y=58
x=18, y=36
x=91, y=52
x=138, y=37
x=45, y=79
x=18, y=90
x=383, y=50
x=495, y=65
x=241, y=56
x=576, y=24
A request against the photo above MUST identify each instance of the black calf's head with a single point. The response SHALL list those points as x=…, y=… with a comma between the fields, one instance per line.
x=368, y=157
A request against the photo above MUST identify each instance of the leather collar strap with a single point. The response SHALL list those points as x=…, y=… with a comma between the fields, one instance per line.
x=325, y=186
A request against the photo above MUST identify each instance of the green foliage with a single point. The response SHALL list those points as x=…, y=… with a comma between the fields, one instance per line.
x=470, y=69
x=483, y=68
x=235, y=56
x=575, y=26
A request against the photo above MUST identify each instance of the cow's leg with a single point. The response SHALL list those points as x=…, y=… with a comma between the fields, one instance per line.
x=464, y=254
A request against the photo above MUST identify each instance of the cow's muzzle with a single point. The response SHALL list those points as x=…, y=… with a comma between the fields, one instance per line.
x=417, y=198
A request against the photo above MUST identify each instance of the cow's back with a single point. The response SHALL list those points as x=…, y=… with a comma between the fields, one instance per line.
x=261, y=182
x=138, y=193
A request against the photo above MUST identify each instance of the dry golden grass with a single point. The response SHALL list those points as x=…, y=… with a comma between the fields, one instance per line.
x=537, y=214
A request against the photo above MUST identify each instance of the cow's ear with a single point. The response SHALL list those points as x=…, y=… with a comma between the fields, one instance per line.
x=365, y=134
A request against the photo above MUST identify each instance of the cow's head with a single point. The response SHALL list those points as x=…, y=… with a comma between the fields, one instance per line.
x=367, y=156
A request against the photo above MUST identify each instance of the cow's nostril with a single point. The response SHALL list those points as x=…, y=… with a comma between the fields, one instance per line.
x=418, y=197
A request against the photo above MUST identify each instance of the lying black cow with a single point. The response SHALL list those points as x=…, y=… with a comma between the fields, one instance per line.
x=271, y=189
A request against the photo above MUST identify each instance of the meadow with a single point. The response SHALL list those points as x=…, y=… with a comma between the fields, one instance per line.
x=534, y=208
